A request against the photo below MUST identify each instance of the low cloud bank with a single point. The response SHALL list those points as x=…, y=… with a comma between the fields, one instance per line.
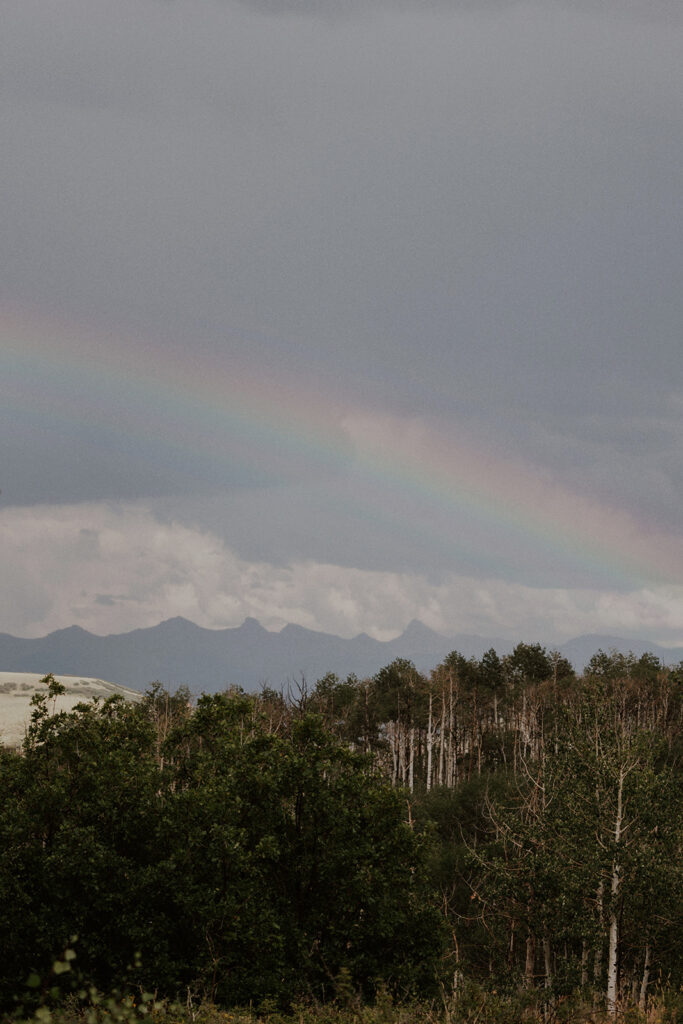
x=112, y=568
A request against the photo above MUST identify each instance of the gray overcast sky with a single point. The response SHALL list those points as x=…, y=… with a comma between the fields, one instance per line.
x=342, y=313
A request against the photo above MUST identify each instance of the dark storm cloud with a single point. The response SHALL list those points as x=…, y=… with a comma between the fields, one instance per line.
x=647, y=10
x=335, y=7
x=464, y=211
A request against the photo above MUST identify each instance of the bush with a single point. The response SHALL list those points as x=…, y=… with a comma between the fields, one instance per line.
x=241, y=865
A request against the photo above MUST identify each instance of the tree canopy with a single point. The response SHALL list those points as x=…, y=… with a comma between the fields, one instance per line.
x=500, y=823
x=242, y=863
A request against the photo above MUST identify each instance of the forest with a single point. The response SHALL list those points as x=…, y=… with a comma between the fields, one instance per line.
x=497, y=840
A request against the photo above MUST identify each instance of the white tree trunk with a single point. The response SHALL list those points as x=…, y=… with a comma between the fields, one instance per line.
x=584, y=963
x=597, y=963
x=548, y=968
x=394, y=754
x=646, y=977
x=401, y=754
x=547, y=960
x=612, y=957
x=530, y=964
x=442, y=738
x=430, y=743
x=449, y=764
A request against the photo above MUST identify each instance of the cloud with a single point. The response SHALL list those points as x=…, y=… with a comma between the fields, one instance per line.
x=509, y=492
x=453, y=210
x=332, y=9
x=114, y=568
x=646, y=9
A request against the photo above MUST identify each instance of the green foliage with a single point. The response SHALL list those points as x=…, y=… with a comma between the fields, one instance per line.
x=308, y=867
x=529, y=663
x=77, y=825
x=254, y=852
x=242, y=864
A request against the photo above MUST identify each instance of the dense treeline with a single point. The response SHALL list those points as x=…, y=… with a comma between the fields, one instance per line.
x=554, y=802
x=239, y=862
x=498, y=823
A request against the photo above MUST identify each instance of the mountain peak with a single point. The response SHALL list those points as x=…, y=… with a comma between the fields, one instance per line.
x=417, y=631
x=294, y=629
x=178, y=622
x=252, y=625
x=70, y=632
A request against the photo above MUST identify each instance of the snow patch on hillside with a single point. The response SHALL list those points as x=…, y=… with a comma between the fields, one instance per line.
x=17, y=688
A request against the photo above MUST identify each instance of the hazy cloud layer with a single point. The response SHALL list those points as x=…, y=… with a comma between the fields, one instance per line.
x=120, y=568
x=465, y=213
x=648, y=9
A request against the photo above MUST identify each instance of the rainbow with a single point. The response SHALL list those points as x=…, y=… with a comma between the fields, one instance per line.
x=235, y=415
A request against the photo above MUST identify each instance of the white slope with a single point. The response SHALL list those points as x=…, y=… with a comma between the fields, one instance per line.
x=17, y=688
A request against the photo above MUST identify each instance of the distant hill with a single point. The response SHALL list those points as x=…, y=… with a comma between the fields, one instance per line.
x=581, y=649
x=17, y=688
x=177, y=652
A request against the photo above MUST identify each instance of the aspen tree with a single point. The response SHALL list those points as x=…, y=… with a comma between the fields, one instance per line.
x=430, y=741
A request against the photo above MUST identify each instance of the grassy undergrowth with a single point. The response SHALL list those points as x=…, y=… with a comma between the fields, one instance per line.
x=473, y=1005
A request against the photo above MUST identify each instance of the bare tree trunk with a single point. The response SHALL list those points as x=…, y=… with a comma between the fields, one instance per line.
x=548, y=970
x=530, y=965
x=584, y=963
x=411, y=761
x=472, y=735
x=394, y=755
x=452, y=753
x=597, y=963
x=642, y=1002
x=401, y=753
x=634, y=986
x=547, y=960
x=612, y=956
x=442, y=737
x=430, y=743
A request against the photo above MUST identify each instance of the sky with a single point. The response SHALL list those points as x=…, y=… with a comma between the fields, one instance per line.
x=342, y=313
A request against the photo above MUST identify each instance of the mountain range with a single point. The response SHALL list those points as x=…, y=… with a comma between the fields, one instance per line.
x=178, y=652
